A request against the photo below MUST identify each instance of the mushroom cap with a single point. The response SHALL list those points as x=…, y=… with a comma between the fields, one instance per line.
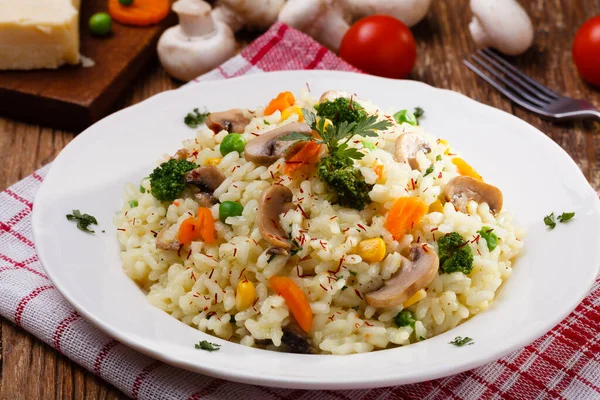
x=331, y=95
x=231, y=120
x=408, y=11
x=166, y=239
x=185, y=57
x=408, y=145
x=267, y=148
x=258, y=14
x=461, y=189
x=503, y=25
x=207, y=178
x=413, y=276
x=274, y=201
x=302, y=14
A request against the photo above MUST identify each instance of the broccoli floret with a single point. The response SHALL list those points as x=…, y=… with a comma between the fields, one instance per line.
x=166, y=181
x=340, y=110
x=455, y=255
x=405, y=318
x=345, y=180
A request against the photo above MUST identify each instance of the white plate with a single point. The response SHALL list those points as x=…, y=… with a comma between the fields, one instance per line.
x=536, y=176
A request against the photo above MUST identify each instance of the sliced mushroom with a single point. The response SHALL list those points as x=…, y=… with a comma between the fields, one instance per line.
x=274, y=201
x=267, y=148
x=462, y=189
x=231, y=121
x=277, y=251
x=164, y=243
x=207, y=179
x=408, y=145
x=414, y=275
x=295, y=339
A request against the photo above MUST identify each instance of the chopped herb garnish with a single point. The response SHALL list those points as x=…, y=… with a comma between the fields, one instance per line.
x=564, y=217
x=355, y=308
x=550, y=221
x=83, y=220
x=368, y=145
x=133, y=203
x=405, y=318
x=352, y=273
x=344, y=288
x=266, y=122
x=438, y=157
x=339, y=277
x=418, y=113
x=428, y=171
x=296, y=248
x=142, y=189
x=271, y=257
x=460, y=341
x=195, y=118
x=422, y=338
x=208, y=346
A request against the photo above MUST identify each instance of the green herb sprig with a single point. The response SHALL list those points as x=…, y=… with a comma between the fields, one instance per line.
x=336, y=137
x=550, y=220
x=83, y=220
x=195, y=118
x=460, y=341
x=208, y=346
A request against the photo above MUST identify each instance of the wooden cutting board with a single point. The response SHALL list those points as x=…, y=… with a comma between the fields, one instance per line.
x=74, y=97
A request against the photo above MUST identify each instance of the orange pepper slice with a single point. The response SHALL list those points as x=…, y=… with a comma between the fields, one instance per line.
x=295, y=299
x=280, y=103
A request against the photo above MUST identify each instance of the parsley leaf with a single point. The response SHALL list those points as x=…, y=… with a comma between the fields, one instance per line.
x=208, y=346
x=133, y=203
x=293, y=136
x=296, y=248
x=83, y=220
x=564, y=217
x=418, y=112
x=438, y=157
x=195, y=118
x=428, y=171
x=368, y=145
x=460, y=341
x=550, y=221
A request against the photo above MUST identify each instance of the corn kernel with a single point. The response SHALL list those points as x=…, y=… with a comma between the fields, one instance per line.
x=372, y=250
x=436, y=206
x=245, y=295
x=213, y=161
x=420, y=295
x=285, y=114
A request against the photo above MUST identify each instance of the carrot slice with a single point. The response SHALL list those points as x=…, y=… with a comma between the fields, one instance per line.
x=206, y=225
x=404, y=215
x=280, y=103
x=140, y=13
x=465, y=169
x=307, y=155
x=295, y=299
x=188, y=231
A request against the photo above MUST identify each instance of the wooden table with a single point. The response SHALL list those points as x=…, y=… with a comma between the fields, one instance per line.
x=31, y=370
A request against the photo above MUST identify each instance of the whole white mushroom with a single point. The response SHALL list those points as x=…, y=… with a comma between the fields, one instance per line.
x=198, y=44
x=254, y=14
x=411, y=12
x=325, y=20
x=503, y=25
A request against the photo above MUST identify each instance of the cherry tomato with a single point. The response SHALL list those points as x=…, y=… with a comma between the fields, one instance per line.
x=586, y=50
x=380, y=45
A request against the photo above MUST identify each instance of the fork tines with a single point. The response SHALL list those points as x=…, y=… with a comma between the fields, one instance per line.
x=510, y=81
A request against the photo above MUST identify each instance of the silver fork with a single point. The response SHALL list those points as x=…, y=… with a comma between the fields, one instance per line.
x=525, y=91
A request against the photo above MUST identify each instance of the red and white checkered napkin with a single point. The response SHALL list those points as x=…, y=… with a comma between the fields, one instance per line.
x=565, y=363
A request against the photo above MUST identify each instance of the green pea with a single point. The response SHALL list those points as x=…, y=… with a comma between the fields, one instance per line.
x=100, y=24
x=405, y=116
x=490, y=237
x=126, y=2
x=230, y=209
x=232, y=142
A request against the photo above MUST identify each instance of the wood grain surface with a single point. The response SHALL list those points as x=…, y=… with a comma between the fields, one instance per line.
x=32, y=370
x=84, y=94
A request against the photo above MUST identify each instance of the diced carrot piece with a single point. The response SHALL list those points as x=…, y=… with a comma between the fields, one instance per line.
x=140, y=12
x=188, y=231
x=404, y=215
x=465, y=169
x=308, y=154
x=206, y=225
x=295, y=299
x=280, y=103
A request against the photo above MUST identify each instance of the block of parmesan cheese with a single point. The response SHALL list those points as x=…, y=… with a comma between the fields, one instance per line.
x=38, y=33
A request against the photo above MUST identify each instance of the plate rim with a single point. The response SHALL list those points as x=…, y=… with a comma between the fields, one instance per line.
x=302, y=382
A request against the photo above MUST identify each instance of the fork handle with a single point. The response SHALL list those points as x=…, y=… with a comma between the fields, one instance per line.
x=592, y=113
